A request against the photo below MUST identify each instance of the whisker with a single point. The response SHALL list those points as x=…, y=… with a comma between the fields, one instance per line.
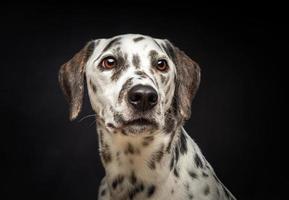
x=85, y=117
x=92, y=123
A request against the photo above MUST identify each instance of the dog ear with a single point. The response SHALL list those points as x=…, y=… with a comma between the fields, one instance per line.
x=187, y=80
x=71, y=79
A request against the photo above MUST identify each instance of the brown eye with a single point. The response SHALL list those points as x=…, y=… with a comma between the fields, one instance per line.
x=108, y=62
x=162, y=65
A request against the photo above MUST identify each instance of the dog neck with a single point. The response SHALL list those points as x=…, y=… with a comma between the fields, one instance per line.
x=148, y=159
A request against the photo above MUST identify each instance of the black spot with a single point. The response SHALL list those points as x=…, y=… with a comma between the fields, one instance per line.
x=151, y=190
x=141, y=74
x=190, y=196
x=159, y=154
x=111, y=43
x=193, y=175
x=130, y=148
x=105, y=153
x=137, y=39
x=163, y=78
x=183, y=143
x=103, y=192
x=176, y=173
x=169, y=51
x=169, y=122
x=170, y=142
x=157, y=44
x=154, y=57
x=177, y=153
x=172, y=163
x=118, y=155
x=138, y=188
x=123, y=132
x=205, y=174
x=147, y=140
x=207, y=190
x=167, y=90
x=133, y=178
x=118, y=180
x=124, y=88
x=172, y=191
x=156, y=157
x=136, y=61
x=198, y=161
x=93, y=87
x=121, y=66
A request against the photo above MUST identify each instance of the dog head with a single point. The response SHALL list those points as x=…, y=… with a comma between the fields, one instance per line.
x=135, y=83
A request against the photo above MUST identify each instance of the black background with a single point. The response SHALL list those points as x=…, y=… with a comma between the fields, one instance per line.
x=234, y=115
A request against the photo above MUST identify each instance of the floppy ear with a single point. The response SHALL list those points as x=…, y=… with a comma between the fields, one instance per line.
x=71, y=79
x=187, y=83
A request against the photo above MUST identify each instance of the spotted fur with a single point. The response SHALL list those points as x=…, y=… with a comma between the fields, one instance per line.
x=155, y=161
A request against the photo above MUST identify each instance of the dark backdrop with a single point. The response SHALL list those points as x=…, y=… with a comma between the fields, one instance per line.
x=44, y=156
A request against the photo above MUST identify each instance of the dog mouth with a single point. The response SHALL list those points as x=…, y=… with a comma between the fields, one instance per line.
x=140, y=122
x=135, y=124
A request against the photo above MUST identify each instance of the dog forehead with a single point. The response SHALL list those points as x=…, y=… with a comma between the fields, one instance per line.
x=132, y=43
x=140, y=44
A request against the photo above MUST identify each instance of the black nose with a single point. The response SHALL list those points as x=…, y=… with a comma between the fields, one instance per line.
x=142, y=97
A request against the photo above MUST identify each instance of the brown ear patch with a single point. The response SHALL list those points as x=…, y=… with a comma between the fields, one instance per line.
x=188, y=77
x=187, y=80
x=71, y=79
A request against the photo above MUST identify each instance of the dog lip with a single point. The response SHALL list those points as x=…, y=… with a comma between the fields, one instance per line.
x=139, y=121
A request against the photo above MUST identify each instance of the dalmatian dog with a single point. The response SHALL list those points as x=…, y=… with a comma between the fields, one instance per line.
x=141, y=90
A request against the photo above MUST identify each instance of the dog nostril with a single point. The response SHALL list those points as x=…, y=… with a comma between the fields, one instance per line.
x=153, y=98
x=135, y=97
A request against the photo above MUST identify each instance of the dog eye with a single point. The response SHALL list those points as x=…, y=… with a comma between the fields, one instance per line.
x=162, y=65
x=108, y=62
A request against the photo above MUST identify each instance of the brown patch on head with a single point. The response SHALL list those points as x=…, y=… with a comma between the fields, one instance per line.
x=71, y=79
x=188, y=80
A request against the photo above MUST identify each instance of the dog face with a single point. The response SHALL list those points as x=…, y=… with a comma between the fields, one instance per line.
x=135, y=83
